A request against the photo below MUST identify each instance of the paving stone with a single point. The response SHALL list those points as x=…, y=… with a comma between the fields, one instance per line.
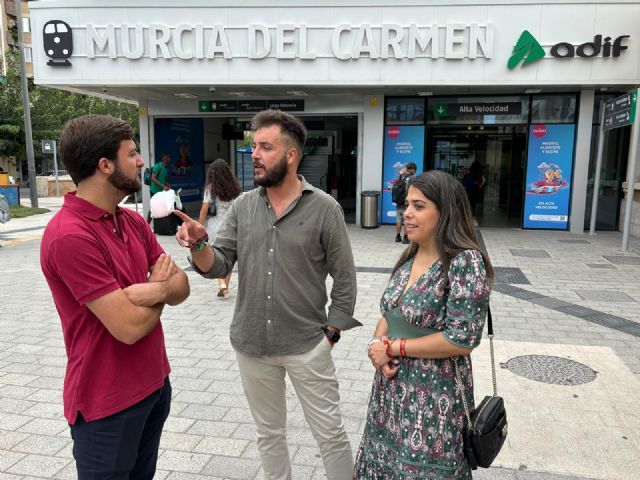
x=8, y=439
x=205, y=412
x=232, y=468
x=623, y=259
x=39, y=465
x=8, y=459
x=221, y=446
x=10, y=421
x=604, y=266
x=41, y=444
x=216, y=429
x=177, y=424
x=183, y=461
x=529, y=253
x=604, y=296
x=46, y=426
x=179, y=441
x=574, y=241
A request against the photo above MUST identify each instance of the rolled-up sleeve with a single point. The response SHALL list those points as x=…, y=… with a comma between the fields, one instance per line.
x=342, y=269
x=224, y=247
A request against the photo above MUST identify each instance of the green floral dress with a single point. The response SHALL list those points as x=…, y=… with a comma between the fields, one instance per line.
x=414, y=420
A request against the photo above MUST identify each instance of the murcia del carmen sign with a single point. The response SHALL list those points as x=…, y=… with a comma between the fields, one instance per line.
x=287, y=41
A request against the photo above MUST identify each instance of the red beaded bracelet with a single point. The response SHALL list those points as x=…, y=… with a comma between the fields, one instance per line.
x=403, y=345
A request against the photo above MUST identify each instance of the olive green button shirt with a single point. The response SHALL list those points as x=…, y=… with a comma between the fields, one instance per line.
x=283, y=265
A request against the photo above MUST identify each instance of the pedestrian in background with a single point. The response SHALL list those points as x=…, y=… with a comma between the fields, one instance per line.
x=220, y=189
x=399, y=197
x=434, y=310
x=159, y=174
x=286, y=236
x=110, y=280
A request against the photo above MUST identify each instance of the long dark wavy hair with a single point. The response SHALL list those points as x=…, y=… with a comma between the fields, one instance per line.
x=455, y=231
x=221, y=182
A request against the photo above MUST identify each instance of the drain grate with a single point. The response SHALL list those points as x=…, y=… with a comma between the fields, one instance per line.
x=510, y=275
x=550, y=369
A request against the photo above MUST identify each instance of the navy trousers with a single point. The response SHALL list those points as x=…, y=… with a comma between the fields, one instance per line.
x=123, y=446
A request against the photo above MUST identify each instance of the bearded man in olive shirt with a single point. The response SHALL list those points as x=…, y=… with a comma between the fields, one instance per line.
x=286, y=236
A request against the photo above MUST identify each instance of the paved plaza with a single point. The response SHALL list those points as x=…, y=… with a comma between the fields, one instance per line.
x=567, y=321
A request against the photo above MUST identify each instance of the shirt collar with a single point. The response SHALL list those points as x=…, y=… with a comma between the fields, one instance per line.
x=306, y=187
x=84, y=208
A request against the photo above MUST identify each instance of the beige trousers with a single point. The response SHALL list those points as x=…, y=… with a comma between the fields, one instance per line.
x=313, y=376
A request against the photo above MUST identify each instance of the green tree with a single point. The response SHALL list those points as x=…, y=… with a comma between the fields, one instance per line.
x=50, y=109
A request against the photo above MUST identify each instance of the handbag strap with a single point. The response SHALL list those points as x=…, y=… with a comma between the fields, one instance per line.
x=467, y=412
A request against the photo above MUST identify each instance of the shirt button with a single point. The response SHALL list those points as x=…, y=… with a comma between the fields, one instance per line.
x=268, y=321
x=273, y=227
x=271, y=249
x=106, y=215
x=268, y=273
x=268, y=297
x=114, y=230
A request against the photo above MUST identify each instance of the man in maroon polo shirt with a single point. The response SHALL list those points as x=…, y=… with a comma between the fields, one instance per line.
x=110, y=280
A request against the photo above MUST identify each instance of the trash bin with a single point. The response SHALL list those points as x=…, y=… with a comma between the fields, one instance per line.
x=369, y=209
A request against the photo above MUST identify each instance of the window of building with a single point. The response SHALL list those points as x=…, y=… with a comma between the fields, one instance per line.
x=404, y=111
x=27, y=55
x=26, y=24
x=553, y=109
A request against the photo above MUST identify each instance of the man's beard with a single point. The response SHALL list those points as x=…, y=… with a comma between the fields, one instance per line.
x=274, y=176
x=123, y=183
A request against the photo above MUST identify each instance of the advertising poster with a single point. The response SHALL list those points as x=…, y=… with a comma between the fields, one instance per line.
x=402, y=144
x=548, y=179
x=183, y=139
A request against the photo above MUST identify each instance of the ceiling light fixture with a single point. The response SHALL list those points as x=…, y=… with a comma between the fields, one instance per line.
x=185, y=95
x=298, y=93
x=425, y=94
x=239, y=94
x=533, y=90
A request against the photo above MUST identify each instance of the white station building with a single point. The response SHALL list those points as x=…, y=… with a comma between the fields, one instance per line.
x=515, y=87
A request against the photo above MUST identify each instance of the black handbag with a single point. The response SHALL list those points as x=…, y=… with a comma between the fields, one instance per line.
x=486, y=427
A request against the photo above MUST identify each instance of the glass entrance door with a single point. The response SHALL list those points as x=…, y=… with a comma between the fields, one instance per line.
x=490, y=161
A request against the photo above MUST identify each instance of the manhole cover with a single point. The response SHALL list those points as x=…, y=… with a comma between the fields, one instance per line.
x=548, y=369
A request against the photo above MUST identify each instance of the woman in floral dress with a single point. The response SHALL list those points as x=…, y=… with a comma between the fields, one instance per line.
x=433, y=315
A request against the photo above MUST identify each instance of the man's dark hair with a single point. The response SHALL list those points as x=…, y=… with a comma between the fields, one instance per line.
x=412, y=166
x=86, y=139
x=290, y=126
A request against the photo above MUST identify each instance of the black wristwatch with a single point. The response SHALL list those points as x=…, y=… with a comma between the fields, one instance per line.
x=332, y=335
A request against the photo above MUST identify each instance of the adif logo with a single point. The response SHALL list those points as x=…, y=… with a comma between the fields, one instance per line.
x=58, y=43
x=527, y=48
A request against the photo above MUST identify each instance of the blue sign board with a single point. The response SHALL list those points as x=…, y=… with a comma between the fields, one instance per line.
x=402, y=144
x=548, y=178
x=183, y=139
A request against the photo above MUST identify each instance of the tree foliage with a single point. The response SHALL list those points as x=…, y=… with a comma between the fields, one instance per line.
x=50, y=109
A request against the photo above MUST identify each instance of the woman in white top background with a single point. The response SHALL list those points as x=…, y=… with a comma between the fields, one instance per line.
x=221, y=188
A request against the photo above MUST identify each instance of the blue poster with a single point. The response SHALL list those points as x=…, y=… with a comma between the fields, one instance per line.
x=548, y=180
x=402, y=144
x=183, y=139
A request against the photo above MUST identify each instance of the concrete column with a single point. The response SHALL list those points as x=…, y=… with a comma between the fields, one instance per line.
x=145, y=150
x=581, y=160
x=371, y=146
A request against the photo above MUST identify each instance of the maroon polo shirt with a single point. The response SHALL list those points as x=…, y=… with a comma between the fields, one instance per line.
x=83, y=258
